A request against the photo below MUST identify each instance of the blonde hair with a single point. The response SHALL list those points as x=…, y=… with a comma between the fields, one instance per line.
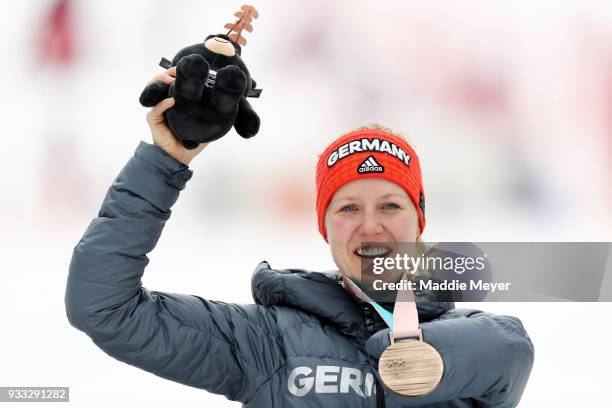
x=383, y=128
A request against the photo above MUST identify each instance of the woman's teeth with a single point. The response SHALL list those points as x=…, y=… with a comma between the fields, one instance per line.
x=372, y=252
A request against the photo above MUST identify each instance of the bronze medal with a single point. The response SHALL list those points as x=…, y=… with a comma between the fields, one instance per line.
x=411, y=368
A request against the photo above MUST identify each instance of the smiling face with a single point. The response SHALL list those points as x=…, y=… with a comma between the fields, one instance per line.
x=368, y=210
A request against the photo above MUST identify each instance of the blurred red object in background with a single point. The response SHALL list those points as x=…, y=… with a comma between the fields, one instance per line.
x=56, y=41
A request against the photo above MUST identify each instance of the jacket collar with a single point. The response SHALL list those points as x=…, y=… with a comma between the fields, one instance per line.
x=321, y=294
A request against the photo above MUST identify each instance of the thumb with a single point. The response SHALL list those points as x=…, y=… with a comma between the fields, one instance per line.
x=156, y=114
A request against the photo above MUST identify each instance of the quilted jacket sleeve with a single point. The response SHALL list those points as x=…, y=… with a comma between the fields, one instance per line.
x=179, y=337
x=487, y=358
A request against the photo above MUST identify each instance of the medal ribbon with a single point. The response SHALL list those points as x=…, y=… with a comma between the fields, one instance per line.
x=404, y=321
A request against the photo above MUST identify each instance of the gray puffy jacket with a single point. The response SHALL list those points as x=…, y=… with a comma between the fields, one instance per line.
x=304, y=343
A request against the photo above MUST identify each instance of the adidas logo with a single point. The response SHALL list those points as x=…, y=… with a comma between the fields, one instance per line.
x=370, y=165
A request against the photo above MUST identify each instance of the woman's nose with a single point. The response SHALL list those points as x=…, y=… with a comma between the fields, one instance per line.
x=370, y=224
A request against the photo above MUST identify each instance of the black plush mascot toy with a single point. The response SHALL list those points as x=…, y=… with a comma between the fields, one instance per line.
x=211, y=87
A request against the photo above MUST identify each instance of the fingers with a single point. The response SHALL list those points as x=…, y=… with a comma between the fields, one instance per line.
x=167, y=77
x=156, y=115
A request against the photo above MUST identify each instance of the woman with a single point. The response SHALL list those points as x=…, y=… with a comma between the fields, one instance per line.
x=308, y=341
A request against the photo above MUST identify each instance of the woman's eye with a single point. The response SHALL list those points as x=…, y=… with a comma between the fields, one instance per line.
x=348, y=208
x=390, y=205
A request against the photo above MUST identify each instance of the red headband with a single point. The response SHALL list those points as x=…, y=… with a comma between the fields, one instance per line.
x=368, y=153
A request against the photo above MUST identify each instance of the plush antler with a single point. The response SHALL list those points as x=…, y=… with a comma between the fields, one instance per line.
x=245, y=15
